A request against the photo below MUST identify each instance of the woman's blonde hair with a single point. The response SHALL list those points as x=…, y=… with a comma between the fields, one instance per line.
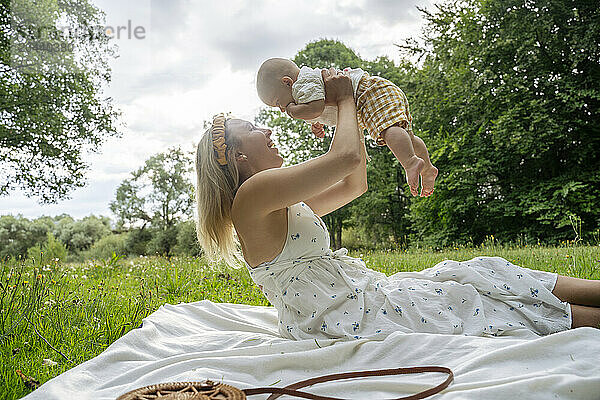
x=215, y=191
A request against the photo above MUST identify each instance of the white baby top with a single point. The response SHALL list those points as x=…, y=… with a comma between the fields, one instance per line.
x=309, y=87
x=321, y=293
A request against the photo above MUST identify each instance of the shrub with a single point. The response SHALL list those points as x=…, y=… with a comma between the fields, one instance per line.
x=137, y=240
x=105, y=247
x=50, y=250
x=187, y=241
x=163, y=241
x=352, y=239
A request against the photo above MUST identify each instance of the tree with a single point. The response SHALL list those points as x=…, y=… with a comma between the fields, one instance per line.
x=508, y=99
x=159, y=194
x=52, y=108
x=326, y=53
x=17, y=234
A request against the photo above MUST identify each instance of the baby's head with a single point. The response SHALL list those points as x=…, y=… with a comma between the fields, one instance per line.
x=274, y=82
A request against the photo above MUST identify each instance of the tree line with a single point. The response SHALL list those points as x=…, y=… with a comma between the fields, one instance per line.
x=63, y=238
x=153, y=215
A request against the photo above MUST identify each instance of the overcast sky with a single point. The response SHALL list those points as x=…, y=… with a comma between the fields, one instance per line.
x=199, y=58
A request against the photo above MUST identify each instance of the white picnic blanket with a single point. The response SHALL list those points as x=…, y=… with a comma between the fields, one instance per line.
x=239, y=345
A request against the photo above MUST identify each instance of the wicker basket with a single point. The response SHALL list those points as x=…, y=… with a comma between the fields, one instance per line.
x=206, y=390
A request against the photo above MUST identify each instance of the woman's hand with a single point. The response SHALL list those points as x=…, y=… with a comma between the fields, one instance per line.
x=338, y=86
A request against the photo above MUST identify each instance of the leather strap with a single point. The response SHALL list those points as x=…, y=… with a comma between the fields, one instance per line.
x=289, y=390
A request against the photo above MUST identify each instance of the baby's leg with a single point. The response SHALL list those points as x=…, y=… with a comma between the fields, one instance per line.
x=399, y=141
x=429, y=172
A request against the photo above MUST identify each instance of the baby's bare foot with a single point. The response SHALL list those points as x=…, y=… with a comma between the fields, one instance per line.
x=413, y=168
x=428, y=176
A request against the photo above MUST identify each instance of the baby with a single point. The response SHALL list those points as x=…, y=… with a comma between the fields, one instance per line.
x=382, y=109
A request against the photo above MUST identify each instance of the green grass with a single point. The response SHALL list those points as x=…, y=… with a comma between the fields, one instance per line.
x=80, y=309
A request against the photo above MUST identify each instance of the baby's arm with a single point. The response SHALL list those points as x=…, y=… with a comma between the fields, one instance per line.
x=310, y=110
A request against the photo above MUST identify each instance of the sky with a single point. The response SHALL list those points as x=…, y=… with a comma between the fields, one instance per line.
x=193, y=59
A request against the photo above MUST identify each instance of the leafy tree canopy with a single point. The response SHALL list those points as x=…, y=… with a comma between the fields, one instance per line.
x=53, y=67
x=508, y=99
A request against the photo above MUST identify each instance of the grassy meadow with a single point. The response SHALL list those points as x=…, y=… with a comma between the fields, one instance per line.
x=56, y=316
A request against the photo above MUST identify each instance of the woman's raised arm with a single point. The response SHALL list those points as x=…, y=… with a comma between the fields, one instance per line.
x=344, y=191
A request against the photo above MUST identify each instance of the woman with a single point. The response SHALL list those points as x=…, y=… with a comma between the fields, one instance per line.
x=276, y=214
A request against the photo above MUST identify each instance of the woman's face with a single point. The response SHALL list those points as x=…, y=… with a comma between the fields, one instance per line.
x=256, y=144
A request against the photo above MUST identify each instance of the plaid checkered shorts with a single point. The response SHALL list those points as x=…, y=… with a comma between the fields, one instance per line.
x=381, y=104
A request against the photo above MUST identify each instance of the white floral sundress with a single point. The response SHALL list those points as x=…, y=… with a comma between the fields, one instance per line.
x=326, y=294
